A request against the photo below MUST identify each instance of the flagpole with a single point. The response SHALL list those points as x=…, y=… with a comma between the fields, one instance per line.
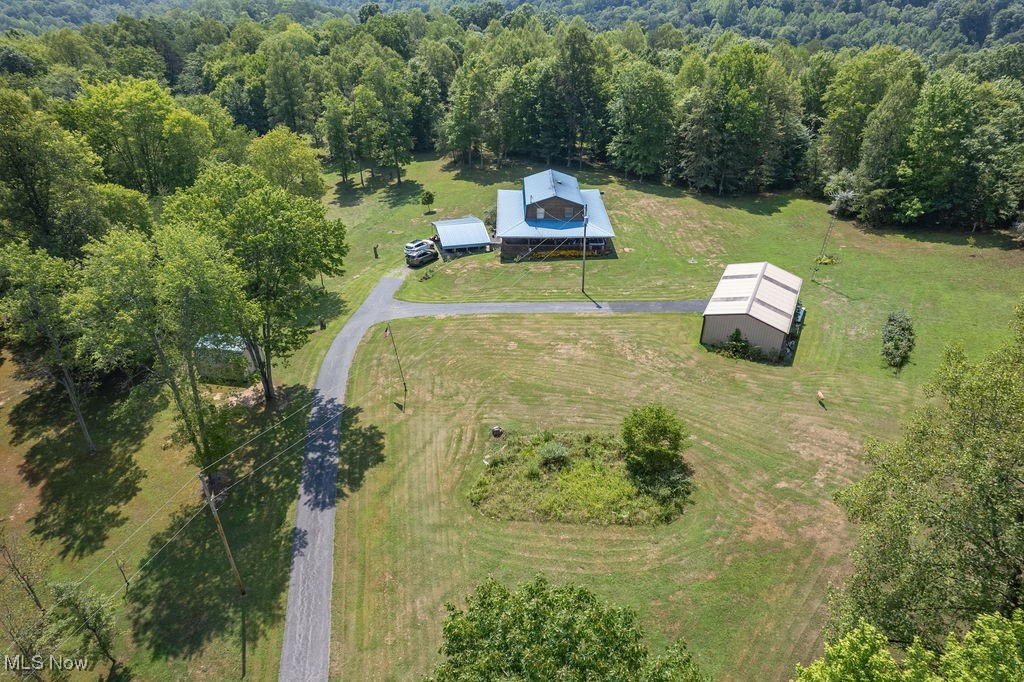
x=405, y=387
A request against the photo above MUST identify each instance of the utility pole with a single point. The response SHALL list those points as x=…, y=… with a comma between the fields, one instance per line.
x=839, y=199
x=405, y=387
x=824, y=244
x=220, y=529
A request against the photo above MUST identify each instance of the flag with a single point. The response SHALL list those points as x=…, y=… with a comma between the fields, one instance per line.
x=387, y=331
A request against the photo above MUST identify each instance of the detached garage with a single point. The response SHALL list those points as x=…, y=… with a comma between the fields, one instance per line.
x=759, y=299
x=461, y=234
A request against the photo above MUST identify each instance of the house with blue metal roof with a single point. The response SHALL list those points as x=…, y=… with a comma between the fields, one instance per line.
x=552, y=214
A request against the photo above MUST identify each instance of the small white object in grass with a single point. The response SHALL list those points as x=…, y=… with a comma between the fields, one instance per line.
x=692, y=260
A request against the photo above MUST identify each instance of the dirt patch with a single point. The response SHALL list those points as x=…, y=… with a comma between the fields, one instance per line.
x=835, y=451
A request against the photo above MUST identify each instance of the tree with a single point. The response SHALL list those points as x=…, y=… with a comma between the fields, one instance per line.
x=884, y=149
x=148, y=302
x=539, y=632
x=740, y=124
x=942, y=510
x=145, y=141
x=578, y=86
x=33, y=315
x=124, y=123
x=287, y=95
x=187, y=141
x=462, y=129
x=641, y=115
x=427, y=199
x=991, y=651
x=87, y=615
x=337, y=122
x=46, y=178
x=862, y=654
x=962, y=138
x=279, y=241
x=897, y=339
x=858, y=86
x=393, y=140
x=288, y=162
x=653, y=438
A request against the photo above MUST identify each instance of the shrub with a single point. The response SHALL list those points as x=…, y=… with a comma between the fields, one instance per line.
x=653, y=438
x=553, y=455
x=897, y=339
x=739, y=348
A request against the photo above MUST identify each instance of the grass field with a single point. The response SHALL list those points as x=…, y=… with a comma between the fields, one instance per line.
x=741, y=576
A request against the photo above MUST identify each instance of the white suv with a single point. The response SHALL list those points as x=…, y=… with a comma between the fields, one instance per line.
x=418, y=245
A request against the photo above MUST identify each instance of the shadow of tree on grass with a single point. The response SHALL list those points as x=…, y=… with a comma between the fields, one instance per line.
x=81, y=495
x=362, y=447
x=188, y=595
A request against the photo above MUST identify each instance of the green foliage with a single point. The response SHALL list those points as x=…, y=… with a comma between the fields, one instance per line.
x=427, y=198
x=539, y=632
x=279, y=241
x=146, y=143
x=575, y=478
x=47, y=179
x=897, y=339
x=940, y=512
x=33, y=314
x=741, y=124
x=84, y=617
x=653, y=439
x=641, y=115
x=991, y=651
x=288, y=162
x=739, y=348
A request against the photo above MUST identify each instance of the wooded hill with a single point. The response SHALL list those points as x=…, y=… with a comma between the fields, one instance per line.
x=891, y=136
x=931, y=28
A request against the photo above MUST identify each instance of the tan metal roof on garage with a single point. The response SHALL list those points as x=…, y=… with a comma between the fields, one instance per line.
x=761, y=290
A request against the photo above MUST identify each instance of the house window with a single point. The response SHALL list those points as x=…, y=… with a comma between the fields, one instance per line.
x=540, y=213
x=568, y=212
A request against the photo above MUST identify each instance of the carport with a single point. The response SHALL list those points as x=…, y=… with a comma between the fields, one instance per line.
x=462, y=235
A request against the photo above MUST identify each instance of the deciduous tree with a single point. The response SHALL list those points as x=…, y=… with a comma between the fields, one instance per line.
x=942, y=511
x=537, y=632
x=287, y=161
x=33, y=314
x=641, y=116
x=279, y=241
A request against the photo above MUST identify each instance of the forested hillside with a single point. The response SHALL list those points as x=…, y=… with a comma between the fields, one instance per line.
x=889, y=135
x=931, y=28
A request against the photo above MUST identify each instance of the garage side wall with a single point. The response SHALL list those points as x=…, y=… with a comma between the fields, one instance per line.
x=718, y=328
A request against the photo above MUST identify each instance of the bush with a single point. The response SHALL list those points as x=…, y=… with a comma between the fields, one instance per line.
x=653, y=438
x=739, y=348
x=897, y=339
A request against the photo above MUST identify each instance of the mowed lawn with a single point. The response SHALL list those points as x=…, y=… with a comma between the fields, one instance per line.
x=743, y=576
x=522, y=372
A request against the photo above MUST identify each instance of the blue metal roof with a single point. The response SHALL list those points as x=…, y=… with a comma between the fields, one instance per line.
x=462, y=233
x=512, y=220
x=551, y=183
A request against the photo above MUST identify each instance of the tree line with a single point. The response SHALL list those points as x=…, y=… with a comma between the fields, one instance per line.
x=893, y=138
x=931, y=28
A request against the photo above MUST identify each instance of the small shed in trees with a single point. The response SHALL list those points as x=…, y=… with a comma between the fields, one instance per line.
x=224, y=358
x=461, y=234
x=759, y=300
